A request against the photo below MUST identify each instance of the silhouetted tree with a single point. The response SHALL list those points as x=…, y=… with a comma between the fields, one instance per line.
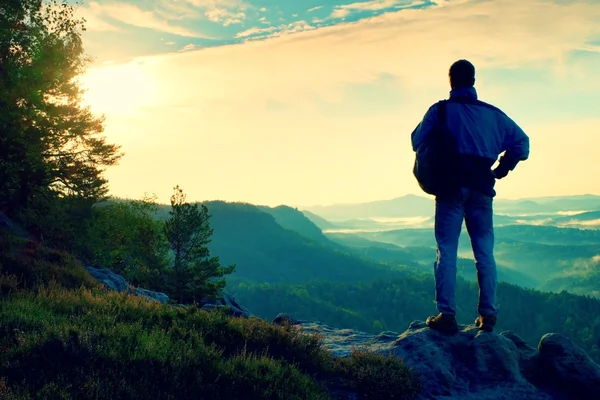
x=49, y=143
x=194, y=271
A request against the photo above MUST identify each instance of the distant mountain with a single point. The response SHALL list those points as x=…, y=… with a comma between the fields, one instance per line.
x=550, y=235
x=529, y=255
x=583, y=280
x=543, y=261
x=420, y=206
x=320, y=222
x=421, y=258
x=264, y=251
x=292, y=219
x=406, y=206
x=406, y=237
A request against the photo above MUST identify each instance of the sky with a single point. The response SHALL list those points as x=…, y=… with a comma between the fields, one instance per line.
x=312, y=102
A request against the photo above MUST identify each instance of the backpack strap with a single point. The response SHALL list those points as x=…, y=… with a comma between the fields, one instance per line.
x=441, y=115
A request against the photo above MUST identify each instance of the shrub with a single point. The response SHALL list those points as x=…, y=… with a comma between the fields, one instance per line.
x=92, y=344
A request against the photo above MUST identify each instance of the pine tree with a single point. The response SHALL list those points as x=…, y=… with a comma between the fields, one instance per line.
x=194, y=271
x=50, y=145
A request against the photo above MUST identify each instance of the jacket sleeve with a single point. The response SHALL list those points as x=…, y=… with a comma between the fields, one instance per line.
x=425, y=127
x=516, y=146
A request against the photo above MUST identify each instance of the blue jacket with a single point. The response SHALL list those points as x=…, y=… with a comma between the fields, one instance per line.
x=482, y=133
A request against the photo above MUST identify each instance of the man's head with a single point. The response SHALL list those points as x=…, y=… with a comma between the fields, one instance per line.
x=462, y=74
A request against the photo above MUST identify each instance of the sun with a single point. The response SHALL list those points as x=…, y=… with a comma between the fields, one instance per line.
x=119, y=90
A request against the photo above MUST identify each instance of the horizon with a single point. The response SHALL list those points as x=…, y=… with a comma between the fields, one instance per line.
x=306, y=207
x=314, y=103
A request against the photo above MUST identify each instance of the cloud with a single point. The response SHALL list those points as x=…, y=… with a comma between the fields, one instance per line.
x=591, y=48
x=225, y=12
x=255, y=31
x=340, y=13
x=360, y=51
x=314, y=9
x=188, y=47
x=200, y=92
x=283, y=29
x=343, y=11
x=224, y=16
x=134, y=16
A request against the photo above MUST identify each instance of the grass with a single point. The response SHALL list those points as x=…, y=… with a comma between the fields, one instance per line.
x=64, y=337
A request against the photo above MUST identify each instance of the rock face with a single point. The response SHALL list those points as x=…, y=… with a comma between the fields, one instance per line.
x=231, y=303
x=118, y=283
x=478, y=365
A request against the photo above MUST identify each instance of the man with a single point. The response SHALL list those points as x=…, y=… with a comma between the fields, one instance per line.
x=482, y=133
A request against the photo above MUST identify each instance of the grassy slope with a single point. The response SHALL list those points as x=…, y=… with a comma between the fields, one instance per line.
x=63, y=337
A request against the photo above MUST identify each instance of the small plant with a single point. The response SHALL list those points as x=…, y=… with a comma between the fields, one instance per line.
x=377, y=376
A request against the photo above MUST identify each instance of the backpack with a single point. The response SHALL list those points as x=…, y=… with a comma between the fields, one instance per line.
x=436, y=161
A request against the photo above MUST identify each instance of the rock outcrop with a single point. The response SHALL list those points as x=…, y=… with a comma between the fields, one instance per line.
x=229, y=302
x=477, y=365
x=117, y=283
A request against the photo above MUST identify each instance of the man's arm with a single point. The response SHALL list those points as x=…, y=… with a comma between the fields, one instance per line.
x=516, y=145
x=419, y=135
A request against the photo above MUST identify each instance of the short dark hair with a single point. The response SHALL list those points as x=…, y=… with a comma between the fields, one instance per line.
x=462, y=74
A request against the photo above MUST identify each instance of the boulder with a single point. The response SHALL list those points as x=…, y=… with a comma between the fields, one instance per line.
x=478, y=365
x=117, y=283
x=229, y=302
x=151, y=295
x=564, y=368
x=283, y=318
x=111, y=280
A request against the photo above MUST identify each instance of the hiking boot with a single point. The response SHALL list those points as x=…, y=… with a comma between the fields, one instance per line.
x=443, y=323
x=485, y=323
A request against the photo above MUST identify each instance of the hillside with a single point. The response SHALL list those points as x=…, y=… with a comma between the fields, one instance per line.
x=421, y=258
x=63, y=336
x=320, y=222
x=527, y=255
x=294, y=220
x=264, y=251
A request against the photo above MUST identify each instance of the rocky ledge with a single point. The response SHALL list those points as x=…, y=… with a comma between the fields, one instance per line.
x=117, y=283
x=477, y=365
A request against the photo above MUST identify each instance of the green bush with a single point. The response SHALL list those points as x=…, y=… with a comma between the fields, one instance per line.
x=377, y=376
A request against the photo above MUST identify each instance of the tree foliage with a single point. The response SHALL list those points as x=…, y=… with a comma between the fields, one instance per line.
x=188, y=233
x=49, y=143
x=125, y=237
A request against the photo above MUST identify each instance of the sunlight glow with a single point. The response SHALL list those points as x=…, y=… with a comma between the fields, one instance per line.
x=119, y=89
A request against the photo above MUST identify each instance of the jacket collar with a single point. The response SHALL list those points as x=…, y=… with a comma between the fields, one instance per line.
x=468, y=92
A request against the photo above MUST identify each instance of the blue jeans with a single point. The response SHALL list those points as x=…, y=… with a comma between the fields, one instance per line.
x=476, y=209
